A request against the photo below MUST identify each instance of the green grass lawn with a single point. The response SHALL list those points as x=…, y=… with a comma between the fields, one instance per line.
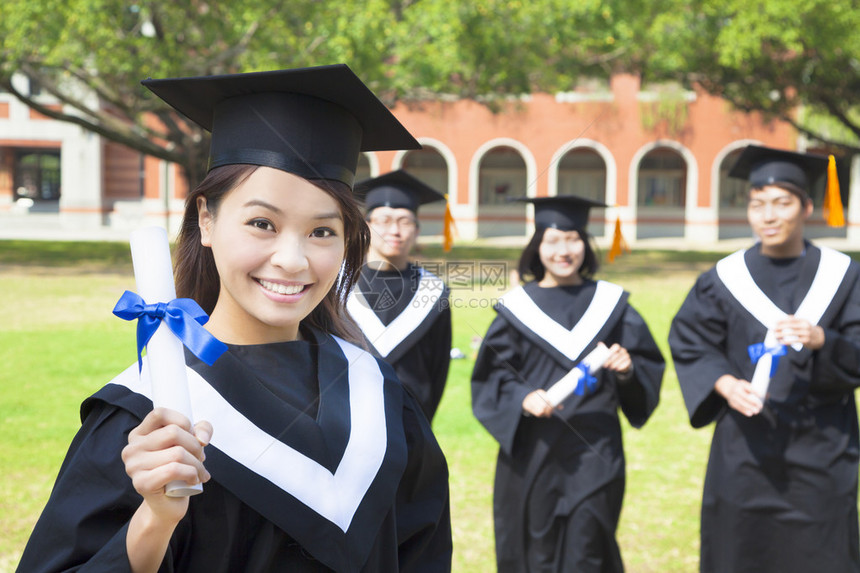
x=59, y=343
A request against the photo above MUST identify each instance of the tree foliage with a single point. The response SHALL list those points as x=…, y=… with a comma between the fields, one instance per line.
x=797, y=60
x=775, y=56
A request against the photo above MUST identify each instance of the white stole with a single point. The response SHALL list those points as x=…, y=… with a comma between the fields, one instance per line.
x=335, y=496
x=735, y=275
x=386, y=338
x=571, y=343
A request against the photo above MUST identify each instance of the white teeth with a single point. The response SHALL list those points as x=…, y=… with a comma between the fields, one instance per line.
x=282, y=289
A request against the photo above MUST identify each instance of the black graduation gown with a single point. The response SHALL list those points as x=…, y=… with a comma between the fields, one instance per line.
x=780, y=492
x=421, y=353
x=560, y=481
x=244, y=521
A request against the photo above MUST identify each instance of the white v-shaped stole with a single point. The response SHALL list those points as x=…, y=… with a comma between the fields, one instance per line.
x=334, y=496
x=571, y=343
x=386, y=338
x=735, y=275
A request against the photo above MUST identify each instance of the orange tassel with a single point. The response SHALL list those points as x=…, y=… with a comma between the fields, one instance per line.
x=832, y=208
x=448, y=228
x=619, y=245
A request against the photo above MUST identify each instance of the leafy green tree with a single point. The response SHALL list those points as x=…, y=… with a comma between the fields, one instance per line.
x=796, y=60
x=774, y=56
x=91, y=54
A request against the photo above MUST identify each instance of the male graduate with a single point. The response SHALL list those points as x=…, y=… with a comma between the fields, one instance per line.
x=767, y=345
x=402, y=309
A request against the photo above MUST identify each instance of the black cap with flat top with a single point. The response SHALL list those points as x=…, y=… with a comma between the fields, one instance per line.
x=763, y=166
x=396, y=189
x=563, y=212
x=312, y=122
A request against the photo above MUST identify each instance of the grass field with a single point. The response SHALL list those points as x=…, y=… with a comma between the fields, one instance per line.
x=59, y=343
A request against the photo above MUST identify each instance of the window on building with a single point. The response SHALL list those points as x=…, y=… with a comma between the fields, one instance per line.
x=429, y=166
x=36, y=175
x=502, y=176
x=34, y=87
x=362, y=171
x=662, y=179
x=582, y=172
x=732, y=191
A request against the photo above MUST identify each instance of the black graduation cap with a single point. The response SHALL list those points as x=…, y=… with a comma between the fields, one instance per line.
x=768, y=166
x=396, y=189
x=563, y=212
x=311, y=122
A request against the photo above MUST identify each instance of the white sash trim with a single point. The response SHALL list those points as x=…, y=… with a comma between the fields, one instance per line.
x=735, y=275
x=335, y=497
x=386, y=338
x=571, y=343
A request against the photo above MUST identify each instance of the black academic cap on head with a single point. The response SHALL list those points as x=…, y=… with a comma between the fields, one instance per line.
x=768, y=166
x=311, y=122
x=563, y=212
x=397, y=189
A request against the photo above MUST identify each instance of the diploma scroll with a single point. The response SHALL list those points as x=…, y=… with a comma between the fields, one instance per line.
x=761, y=376
x=594, y=360
x=766, y=363
x=164, y=362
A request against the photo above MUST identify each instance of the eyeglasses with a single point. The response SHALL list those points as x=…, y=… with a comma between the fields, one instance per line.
x=403, y=223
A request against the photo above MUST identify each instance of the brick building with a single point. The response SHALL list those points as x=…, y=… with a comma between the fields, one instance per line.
x=659, y=157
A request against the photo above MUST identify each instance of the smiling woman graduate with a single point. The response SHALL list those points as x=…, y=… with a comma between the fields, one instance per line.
x=314, y=457
x=560, y=469
x=767, y=347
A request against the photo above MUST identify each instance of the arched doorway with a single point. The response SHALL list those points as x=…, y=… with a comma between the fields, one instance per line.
x=582, y=172
x=661, y=194
x=732, y=193
x=502, y=175
x=429, y=166
x=363, y=170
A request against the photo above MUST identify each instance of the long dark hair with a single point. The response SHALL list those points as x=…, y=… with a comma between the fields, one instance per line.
x=531, y=268
x=196, y=274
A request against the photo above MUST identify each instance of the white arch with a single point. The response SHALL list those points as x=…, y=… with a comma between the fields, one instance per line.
x=715, y=170
x=373, y=161
x=690, y=193
x=447, y=155
x=597, y=147
x=475, y=165
x=611, y=173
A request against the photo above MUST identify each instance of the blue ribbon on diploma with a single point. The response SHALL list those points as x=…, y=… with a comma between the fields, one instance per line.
x=586, y=381
x=756, y=351
x=182, y=315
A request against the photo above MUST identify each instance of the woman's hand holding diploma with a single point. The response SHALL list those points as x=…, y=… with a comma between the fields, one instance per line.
x=163, y=449
x=619, y=361
x=537, y=404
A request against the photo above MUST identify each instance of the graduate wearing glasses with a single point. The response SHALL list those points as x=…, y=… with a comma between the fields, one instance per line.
x=767, y=347
x=403, y=309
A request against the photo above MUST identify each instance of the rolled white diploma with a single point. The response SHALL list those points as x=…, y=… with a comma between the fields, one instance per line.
x=595, y=359
x=761, y=375
x=164, y=363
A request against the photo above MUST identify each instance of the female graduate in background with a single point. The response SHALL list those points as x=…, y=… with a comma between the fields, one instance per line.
x=560, y=471
x=304, y=448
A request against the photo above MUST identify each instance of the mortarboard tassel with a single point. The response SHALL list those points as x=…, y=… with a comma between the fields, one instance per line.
x=832, y=208
x=448, y=228
x=619, y=245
